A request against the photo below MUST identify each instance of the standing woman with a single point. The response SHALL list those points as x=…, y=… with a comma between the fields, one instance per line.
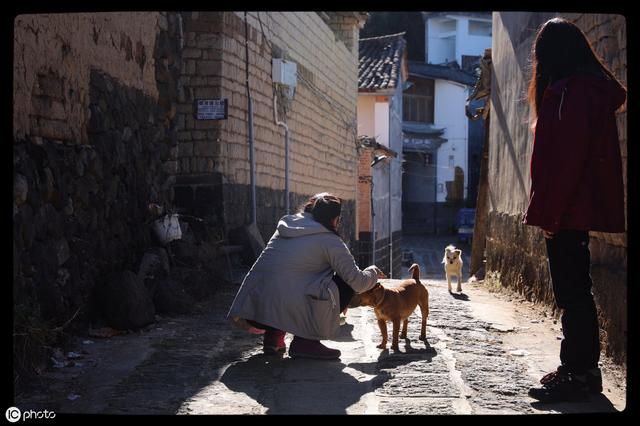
x=576, y=187
x=301, y=282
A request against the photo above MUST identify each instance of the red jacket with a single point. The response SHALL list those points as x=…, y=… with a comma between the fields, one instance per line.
x=576, y=168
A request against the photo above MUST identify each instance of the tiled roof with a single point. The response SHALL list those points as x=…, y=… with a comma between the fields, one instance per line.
x=421, y=128
x=443, y=72
x=380, y=62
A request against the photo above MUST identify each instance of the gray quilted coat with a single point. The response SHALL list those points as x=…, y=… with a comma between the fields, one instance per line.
x=290, y=285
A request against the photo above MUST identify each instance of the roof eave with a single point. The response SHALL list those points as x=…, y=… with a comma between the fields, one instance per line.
x=376, y=92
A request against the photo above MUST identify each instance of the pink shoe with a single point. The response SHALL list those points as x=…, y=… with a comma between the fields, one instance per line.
x=305, y=348
x=274, y=342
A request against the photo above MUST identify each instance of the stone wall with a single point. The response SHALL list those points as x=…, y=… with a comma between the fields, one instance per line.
x=93, y=147
x=509, y=180
x=320, y=116
x=608, y=36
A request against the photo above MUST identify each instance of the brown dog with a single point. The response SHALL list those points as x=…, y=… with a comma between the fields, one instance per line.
x=396, y=304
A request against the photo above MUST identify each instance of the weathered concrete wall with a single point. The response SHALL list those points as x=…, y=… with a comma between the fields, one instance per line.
x=509, y=179
x=321, y=117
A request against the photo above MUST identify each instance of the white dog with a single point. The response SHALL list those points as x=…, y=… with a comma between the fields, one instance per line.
x=453, y=265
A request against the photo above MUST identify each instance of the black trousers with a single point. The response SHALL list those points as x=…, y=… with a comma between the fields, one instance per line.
x=569, y=265
x=345, y=293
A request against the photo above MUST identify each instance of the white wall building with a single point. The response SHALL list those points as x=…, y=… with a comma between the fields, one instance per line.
x=449, y=36
x=461, y=37
x=436, y=128
x=449, y=96
x=382, y=73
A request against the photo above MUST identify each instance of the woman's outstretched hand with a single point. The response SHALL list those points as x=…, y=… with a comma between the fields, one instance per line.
x=379, y=272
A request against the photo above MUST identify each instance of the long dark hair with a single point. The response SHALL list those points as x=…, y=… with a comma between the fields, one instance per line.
x=560, y=50
x=324, y=207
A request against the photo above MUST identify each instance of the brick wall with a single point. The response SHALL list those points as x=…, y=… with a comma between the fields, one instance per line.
x=345, y=27
x=364, y=190
x=364, y=230
x=320, y=117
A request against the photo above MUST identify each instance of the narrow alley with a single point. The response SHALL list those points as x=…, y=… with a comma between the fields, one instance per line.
x=159, y=156
x=484, y=351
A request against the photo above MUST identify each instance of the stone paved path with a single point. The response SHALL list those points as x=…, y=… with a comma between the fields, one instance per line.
x=462, y=371
x=199, y=365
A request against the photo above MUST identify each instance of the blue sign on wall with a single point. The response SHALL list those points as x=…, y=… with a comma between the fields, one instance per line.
x=211, y=109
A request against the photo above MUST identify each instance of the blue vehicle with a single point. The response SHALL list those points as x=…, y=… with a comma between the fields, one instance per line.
x=465, y=221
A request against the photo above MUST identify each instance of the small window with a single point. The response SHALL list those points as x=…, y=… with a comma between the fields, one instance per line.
x=480, y=28
x=417, y=101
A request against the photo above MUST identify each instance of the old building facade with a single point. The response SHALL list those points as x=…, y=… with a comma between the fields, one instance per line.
x=106, y=134
x=441, y=143
x=213, y=169
x=382, y=73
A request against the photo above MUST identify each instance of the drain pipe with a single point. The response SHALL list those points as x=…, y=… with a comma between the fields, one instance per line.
x=390, y=224
x=286, y=151
x=252, y=159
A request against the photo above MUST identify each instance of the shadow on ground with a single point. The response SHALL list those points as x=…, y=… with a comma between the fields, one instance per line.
x=460, y=296
x=345, y=333
x=304, y=386
x=299, y=386
x=595, y=404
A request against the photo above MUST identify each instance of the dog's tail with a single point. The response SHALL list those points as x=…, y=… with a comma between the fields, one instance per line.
x=415, y=269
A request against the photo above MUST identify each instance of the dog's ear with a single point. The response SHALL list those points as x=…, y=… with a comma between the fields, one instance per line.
x=458, y=251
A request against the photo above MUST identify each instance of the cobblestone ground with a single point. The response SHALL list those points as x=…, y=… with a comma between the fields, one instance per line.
x=197, y=364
